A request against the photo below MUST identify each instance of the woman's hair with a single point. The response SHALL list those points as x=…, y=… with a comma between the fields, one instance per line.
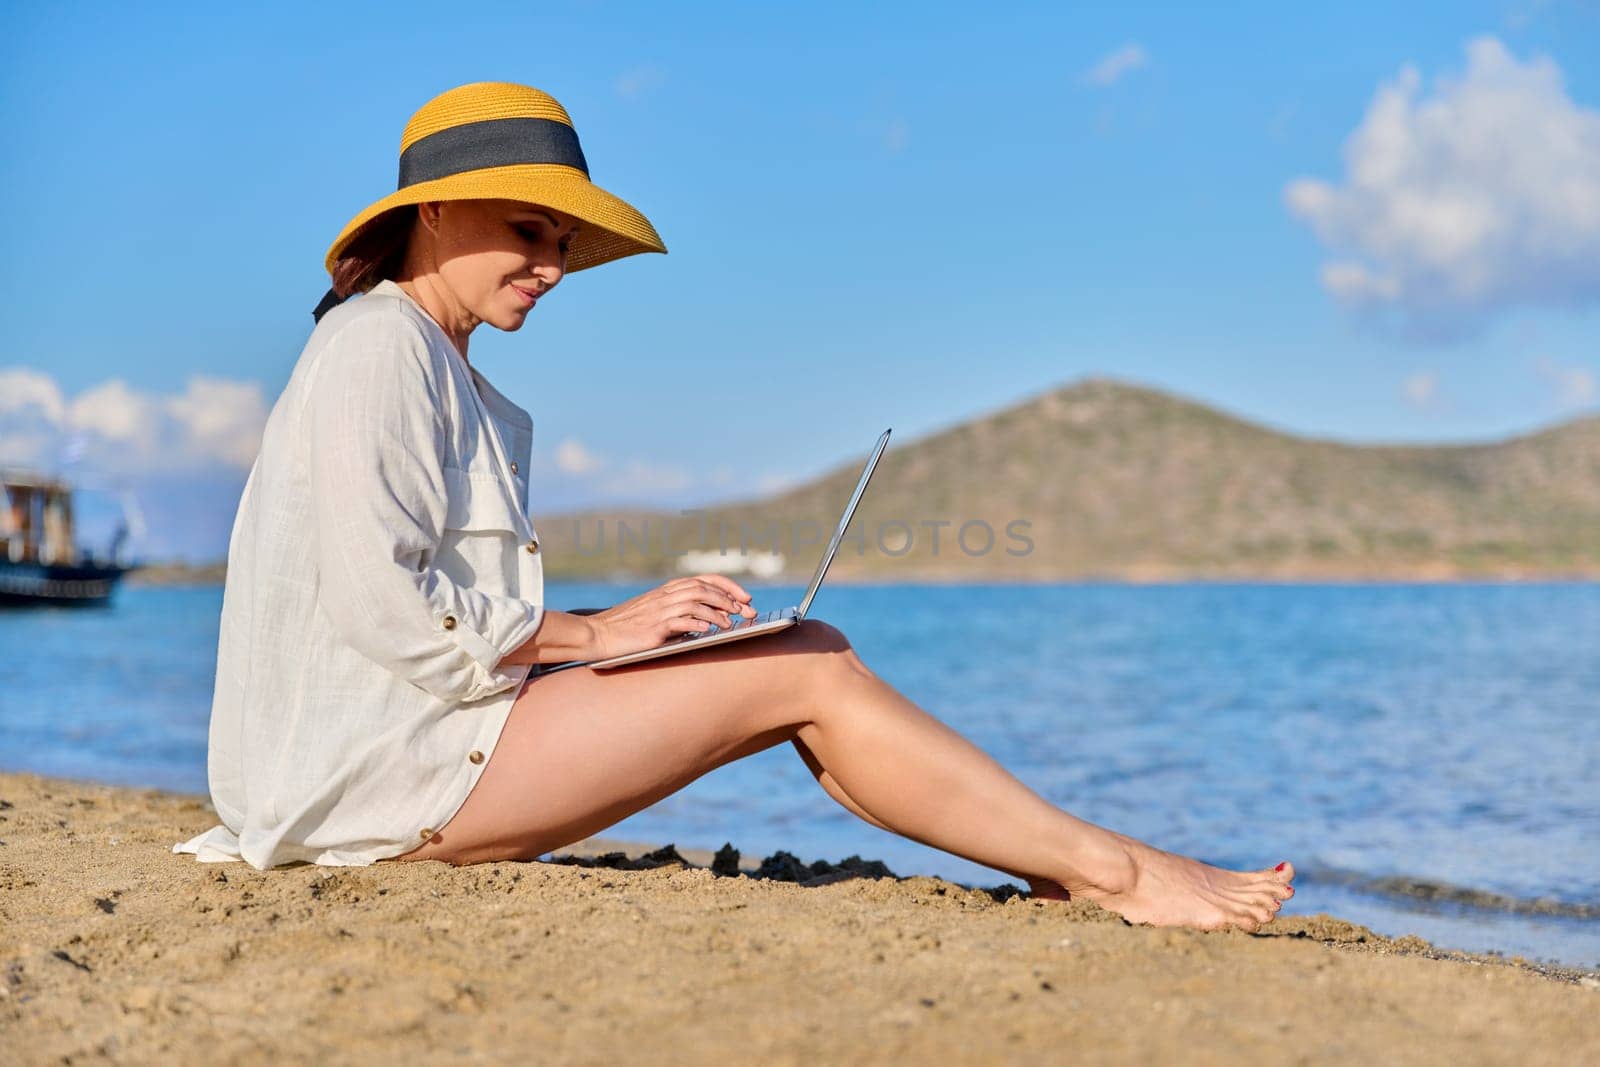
x=377, y=253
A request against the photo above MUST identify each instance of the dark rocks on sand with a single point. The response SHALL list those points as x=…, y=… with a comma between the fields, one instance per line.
x=784, y=866
x=725, y=864
x=664, y=856
x=781, y=866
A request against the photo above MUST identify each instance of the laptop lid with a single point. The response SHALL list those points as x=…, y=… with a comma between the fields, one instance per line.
x=844, y=523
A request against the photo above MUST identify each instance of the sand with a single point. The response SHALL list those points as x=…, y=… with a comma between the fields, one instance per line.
x=114, y=949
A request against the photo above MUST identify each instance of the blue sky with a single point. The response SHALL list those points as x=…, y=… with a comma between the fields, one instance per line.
x=904, y=216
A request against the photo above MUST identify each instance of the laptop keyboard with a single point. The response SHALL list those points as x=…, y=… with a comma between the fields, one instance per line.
x=739, y=622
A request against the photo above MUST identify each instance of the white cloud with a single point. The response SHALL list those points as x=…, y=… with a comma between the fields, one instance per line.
x=775, y=483
x=31, y=412
x=1421, y=390
x=22, y=388
x=579, y=476
x=1572, y=385
x=573, y=458
x=1112, y=67
x=639, y=477
x=223, y=418
x=1354, y=283
x=115, y=428
x=1483, y=195
x=120, y=416
x=640, y=80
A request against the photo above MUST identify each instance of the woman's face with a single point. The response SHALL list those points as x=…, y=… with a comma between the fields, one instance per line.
x=498, y=256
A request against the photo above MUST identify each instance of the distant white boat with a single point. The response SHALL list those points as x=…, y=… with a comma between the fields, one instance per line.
x=758, y=564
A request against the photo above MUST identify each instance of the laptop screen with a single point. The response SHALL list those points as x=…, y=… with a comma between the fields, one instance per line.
x=844, y=523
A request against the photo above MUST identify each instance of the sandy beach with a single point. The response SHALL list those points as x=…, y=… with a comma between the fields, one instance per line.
x=114, y=949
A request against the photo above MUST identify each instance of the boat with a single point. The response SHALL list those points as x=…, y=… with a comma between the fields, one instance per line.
x=40, y=561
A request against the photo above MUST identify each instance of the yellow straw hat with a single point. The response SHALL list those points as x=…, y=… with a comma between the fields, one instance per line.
x=500, y=140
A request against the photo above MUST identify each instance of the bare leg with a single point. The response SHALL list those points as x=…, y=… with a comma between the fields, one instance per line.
x=1041, y=887
x=583, y=749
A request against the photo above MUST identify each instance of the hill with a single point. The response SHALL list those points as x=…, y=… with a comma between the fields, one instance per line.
x=1101, y=479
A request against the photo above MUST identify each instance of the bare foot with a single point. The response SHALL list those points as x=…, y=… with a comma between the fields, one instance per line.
x=1165, y=889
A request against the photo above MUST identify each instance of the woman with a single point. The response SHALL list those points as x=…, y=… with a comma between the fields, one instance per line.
x=378, y=687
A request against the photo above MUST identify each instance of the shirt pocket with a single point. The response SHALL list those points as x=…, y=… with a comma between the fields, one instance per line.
x=479, y=502
x=488, y=542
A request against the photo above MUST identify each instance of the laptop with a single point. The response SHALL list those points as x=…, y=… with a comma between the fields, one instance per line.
x=771, y=622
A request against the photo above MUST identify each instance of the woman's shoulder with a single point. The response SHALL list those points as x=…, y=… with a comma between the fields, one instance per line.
x=372, y=345
x=375, y=314
x=380, y=328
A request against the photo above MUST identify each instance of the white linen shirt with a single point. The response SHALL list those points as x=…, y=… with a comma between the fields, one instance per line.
x=381, y=564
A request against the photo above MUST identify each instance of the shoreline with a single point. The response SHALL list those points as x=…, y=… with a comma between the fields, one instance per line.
x=215, y=575
x=112, y=946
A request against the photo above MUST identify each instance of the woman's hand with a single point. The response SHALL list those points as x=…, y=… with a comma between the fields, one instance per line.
x=655, y=617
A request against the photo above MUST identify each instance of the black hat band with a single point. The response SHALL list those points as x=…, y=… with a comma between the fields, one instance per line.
x=490, y=143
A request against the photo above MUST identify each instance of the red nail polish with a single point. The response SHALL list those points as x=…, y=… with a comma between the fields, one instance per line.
x=1281, y=866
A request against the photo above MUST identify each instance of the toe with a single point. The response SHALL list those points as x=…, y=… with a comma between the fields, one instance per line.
x=1260, y=899
x=1268, y=885
x=1259, y=904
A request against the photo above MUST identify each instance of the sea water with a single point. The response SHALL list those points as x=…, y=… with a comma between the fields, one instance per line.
x=1427, y=755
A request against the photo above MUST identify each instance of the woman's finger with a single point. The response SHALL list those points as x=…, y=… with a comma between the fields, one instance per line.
x=709, y=604
x=712, y=587
x=705, y=593
x=673, y=592
x=727, y=601
x=698, y=617
x=726, y=584
x=734, y=600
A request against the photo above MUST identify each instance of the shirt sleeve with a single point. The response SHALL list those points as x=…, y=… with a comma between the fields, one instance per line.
x=377, y=437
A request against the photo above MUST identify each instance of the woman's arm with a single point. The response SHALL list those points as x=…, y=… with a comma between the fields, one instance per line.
x=563, y=636
x=377, y=436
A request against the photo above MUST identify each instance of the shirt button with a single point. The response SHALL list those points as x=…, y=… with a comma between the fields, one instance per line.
x=475, y=756
x=532, y=546
x=449, y=622
x=426, y=833
x=514, y=468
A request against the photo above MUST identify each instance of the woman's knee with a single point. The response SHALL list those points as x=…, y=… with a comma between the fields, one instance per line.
x=829, y=652
x=821, y=635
